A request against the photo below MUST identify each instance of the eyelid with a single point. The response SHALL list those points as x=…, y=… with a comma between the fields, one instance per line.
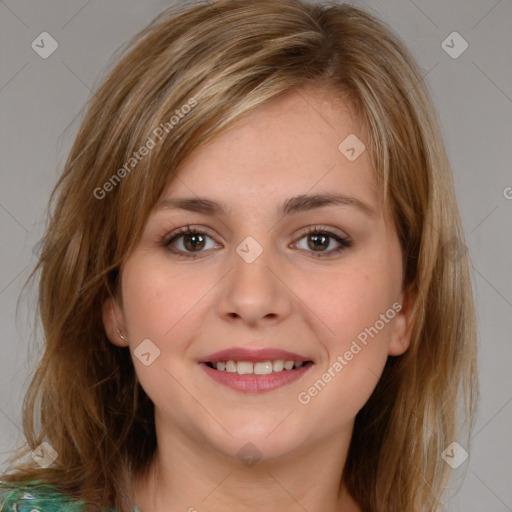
x=189, y=228
x=178, y=233
x=344, y=240
x=321, y=228
x=308, y=229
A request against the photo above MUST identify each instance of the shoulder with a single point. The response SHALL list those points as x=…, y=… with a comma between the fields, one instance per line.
x=35, y=496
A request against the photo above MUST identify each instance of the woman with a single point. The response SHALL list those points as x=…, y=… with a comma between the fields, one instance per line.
x=309, y=355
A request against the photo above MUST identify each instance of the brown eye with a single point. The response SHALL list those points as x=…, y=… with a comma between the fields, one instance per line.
x=187, y=241
x=319, y=240
x=193, y=241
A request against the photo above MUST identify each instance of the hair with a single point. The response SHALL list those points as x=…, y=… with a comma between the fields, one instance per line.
x=224, y=59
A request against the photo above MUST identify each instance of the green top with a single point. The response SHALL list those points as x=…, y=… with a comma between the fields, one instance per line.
x=38, y=496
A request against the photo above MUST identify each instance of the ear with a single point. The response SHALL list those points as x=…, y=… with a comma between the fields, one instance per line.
x=113, y=322
x=402, y=327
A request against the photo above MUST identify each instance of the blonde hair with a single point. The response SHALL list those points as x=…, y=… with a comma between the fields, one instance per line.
x=225, y=59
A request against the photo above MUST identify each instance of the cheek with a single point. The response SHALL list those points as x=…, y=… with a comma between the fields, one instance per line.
x=354, y=317
x=157, y=299
x=341, y=306
x=345, y=303
x=165, y=307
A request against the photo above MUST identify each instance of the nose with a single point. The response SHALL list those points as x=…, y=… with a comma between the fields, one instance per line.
x=255, y=293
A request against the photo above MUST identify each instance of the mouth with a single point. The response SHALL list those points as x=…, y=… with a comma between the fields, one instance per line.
x=255, y=371
x=256, y=368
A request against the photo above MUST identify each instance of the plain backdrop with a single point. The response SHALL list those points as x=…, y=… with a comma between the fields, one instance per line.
x=40, y=107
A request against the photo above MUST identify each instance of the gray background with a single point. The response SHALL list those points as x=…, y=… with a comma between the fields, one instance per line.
x=40, y=103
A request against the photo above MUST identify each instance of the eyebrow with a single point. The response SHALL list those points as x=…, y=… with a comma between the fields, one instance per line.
x=296, y=204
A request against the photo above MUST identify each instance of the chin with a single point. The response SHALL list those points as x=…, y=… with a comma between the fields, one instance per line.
x=268, y=439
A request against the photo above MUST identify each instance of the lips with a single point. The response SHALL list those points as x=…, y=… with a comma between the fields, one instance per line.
x=230, y=367
x=253, y=355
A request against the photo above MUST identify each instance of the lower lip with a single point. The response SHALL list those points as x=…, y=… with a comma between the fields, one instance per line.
x=256, y=383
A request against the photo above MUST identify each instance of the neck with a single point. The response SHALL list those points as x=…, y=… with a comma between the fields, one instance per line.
x=185, y=478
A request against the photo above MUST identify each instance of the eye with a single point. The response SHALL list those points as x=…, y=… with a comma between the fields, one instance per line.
x=191, y=242
x=190, y=239
x=319, y=238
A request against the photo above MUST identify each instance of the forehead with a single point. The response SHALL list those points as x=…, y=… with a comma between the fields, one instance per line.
x=286, y=147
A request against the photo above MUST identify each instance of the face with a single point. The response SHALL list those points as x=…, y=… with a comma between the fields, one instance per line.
x=317, y=283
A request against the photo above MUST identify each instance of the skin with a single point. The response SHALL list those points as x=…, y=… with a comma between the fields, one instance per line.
x=287, y=298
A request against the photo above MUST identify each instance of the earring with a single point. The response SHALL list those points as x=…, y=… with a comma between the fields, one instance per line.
x=120, y=335
x=117, y=328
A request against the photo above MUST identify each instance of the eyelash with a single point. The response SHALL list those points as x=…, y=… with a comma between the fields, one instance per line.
x=344, y=242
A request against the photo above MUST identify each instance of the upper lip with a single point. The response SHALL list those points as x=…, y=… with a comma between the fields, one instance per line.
x=253, y=355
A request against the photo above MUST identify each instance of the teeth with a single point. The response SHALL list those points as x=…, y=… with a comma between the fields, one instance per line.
x=259, y=368
x=262, y=368
x=244, y=367
x=231, y=366
x=278, y=366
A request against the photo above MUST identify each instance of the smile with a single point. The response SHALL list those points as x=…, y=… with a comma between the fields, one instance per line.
x=243, y=376
x=259, y=368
